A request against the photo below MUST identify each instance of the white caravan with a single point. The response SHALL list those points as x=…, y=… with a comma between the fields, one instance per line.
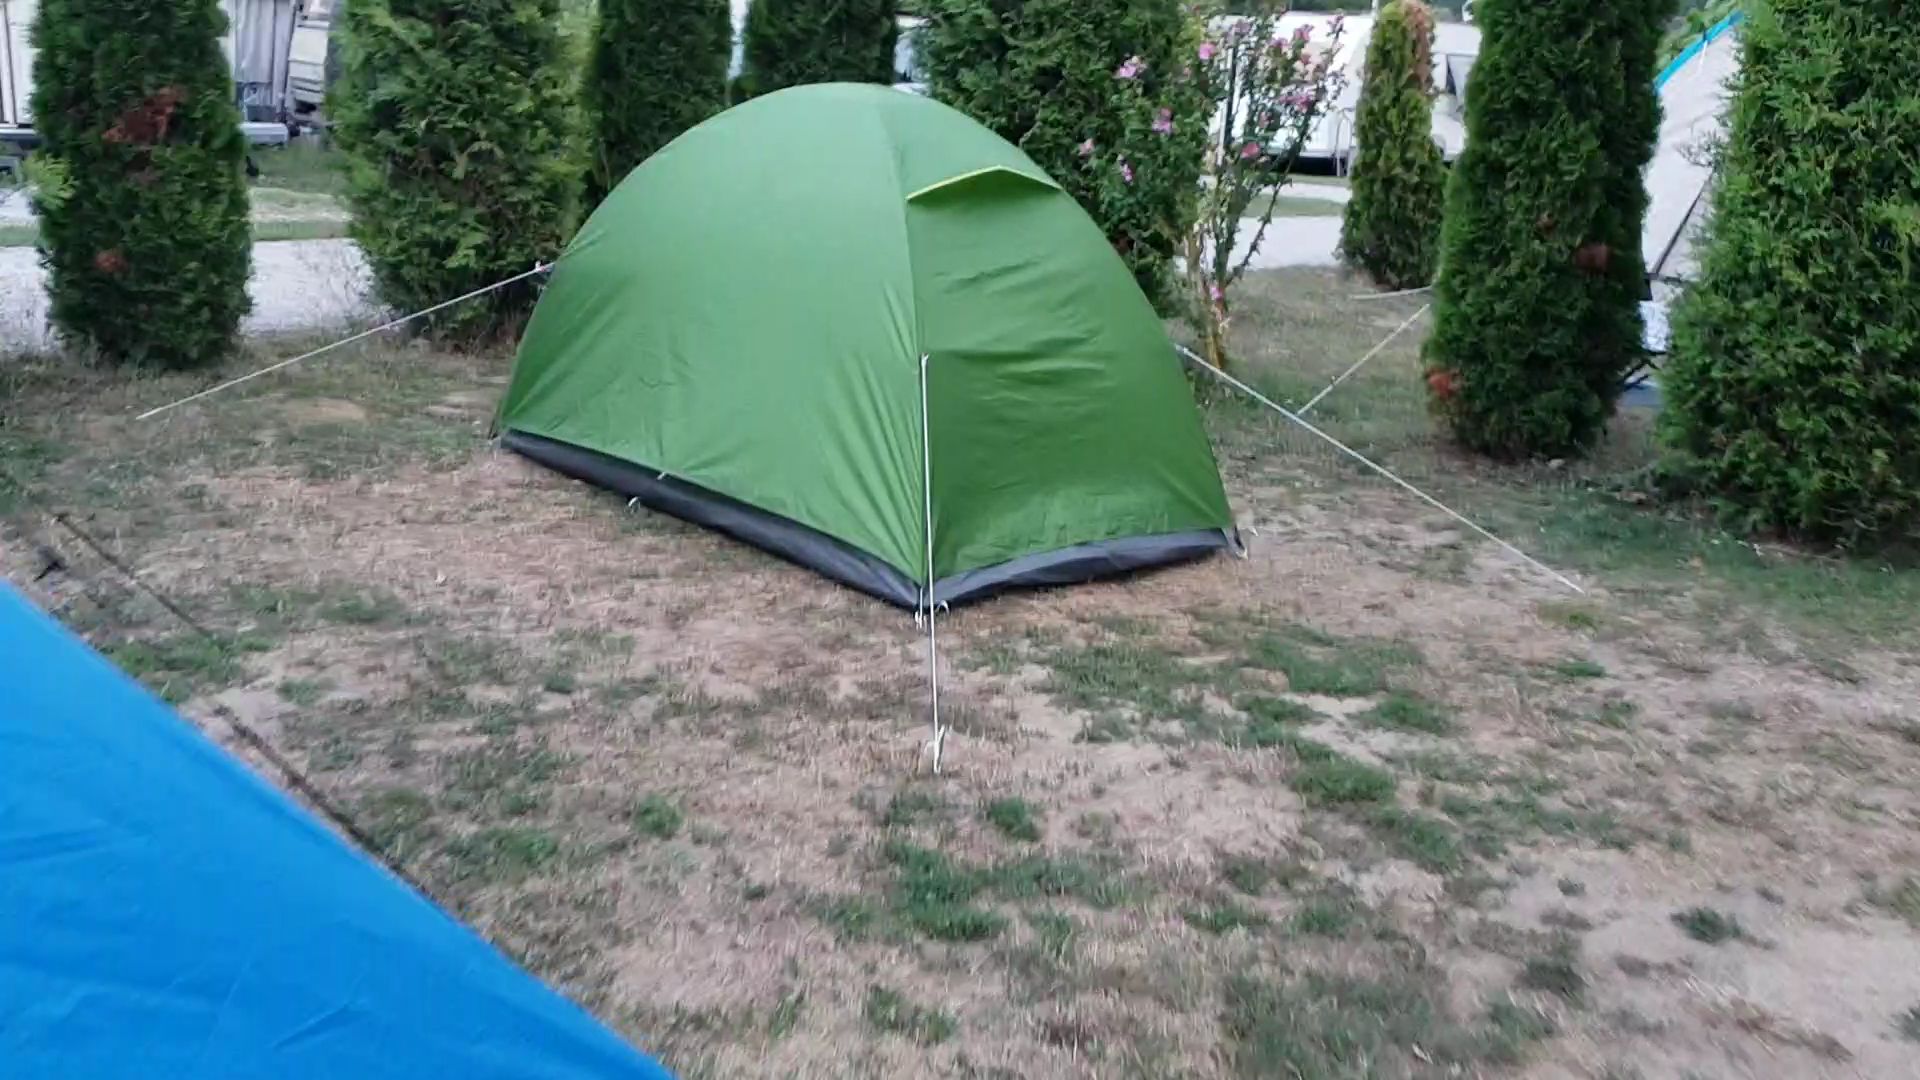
x=1332, y=142
x=259, y=44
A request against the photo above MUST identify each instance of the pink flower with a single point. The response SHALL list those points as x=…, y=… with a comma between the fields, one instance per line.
x=1126, y=171
x=1131, y=69
x=1163, y=123
x=1299, y=99
x=1207, y=49
x=1219, y=295
x=1086, y=148
x=1249, y=151
x=1302, y=35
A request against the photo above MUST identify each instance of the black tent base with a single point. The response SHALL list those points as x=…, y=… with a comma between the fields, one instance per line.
x=849, y=566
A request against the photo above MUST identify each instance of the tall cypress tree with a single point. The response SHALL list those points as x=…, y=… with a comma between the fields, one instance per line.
x=1793, y=392
x=142, y=201
x=1392, y=228
x=793, y=42
x=458, y=121
x=658, y=67
x=1537, y=315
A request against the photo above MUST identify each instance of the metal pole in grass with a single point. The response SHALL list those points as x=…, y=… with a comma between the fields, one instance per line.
x=1200, y=362
x=926, y=499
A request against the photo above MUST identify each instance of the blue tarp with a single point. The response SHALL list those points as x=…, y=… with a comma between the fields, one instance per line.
x=166, y=913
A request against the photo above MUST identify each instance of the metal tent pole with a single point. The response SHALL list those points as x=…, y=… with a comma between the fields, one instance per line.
x=926, y=499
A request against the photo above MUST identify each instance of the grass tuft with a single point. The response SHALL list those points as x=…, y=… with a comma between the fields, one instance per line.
x=1343, y=780
x=1318, y=663
x=1908, y=1024
x=1279, y=710
x=1903, y=899
x=890, y=1012
x=1325, y=916
x=183, y=665
x=908, y=807
x=1016, y=818
x=1427, y=842
x=1403, y=711
x=304, y=693
x=502, y=854
x=1708, y=925
x=1251, y=874
x=1558, y=972
x=657, y=817
x=1579, y=669
x=1223, y=918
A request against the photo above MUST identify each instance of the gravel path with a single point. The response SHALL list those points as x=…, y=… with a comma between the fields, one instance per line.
x=297, y=285
x=1293, y=241
x=317, y=285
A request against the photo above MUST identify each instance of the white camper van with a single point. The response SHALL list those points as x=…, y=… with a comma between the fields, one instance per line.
x=259, y=44
x=1332, y=143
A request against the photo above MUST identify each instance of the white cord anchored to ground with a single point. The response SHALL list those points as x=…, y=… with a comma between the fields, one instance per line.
x=926, y=498
x=1197, y=361
x=539, y=268
x=1392, y=295
x=1362, y=362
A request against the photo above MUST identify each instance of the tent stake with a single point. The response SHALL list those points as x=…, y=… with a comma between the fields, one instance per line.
x=926, y=499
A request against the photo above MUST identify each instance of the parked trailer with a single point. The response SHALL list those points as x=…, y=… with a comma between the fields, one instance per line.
x=1332, y=142
x=259, y=45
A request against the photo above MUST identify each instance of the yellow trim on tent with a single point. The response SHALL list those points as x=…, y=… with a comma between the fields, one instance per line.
x=970, y=174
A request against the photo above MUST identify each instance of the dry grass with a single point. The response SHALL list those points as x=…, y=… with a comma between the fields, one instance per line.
x=1346, y=808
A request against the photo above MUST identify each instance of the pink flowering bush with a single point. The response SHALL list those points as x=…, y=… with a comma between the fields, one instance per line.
x=1267, y=90
x=1099, y=93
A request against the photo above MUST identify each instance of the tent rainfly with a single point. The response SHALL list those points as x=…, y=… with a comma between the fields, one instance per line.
x=837, y=319
x=165, y=912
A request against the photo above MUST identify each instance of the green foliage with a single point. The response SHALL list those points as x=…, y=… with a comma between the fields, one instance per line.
x=1223, y=918
x=1268, y=90
x=142, y=201
x=1537, y=302
x=1343, y=780
x=795, y=42
x=1794, y=388
x=1080, y=87
x=1016, y=818
x=458, y=121
x=1709, y=925
x=1402, y=711
x=658, y=67
x=183, y=665
x=1695, y=18
x=889, y=1011
x=1908, y=1024
x=1556, y=972
x=1392, y=228
x=658, y=817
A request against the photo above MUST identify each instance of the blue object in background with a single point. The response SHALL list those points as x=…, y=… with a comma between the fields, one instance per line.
x=166, y=913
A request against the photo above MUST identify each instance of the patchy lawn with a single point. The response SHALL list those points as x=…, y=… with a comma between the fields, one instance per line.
x=277, y=214
x=1302, y=205
x=1377, y=800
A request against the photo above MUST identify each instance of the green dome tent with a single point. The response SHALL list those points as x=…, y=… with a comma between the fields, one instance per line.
x=800, y=314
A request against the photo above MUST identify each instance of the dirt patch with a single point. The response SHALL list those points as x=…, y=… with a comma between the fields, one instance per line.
x=323, y=411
